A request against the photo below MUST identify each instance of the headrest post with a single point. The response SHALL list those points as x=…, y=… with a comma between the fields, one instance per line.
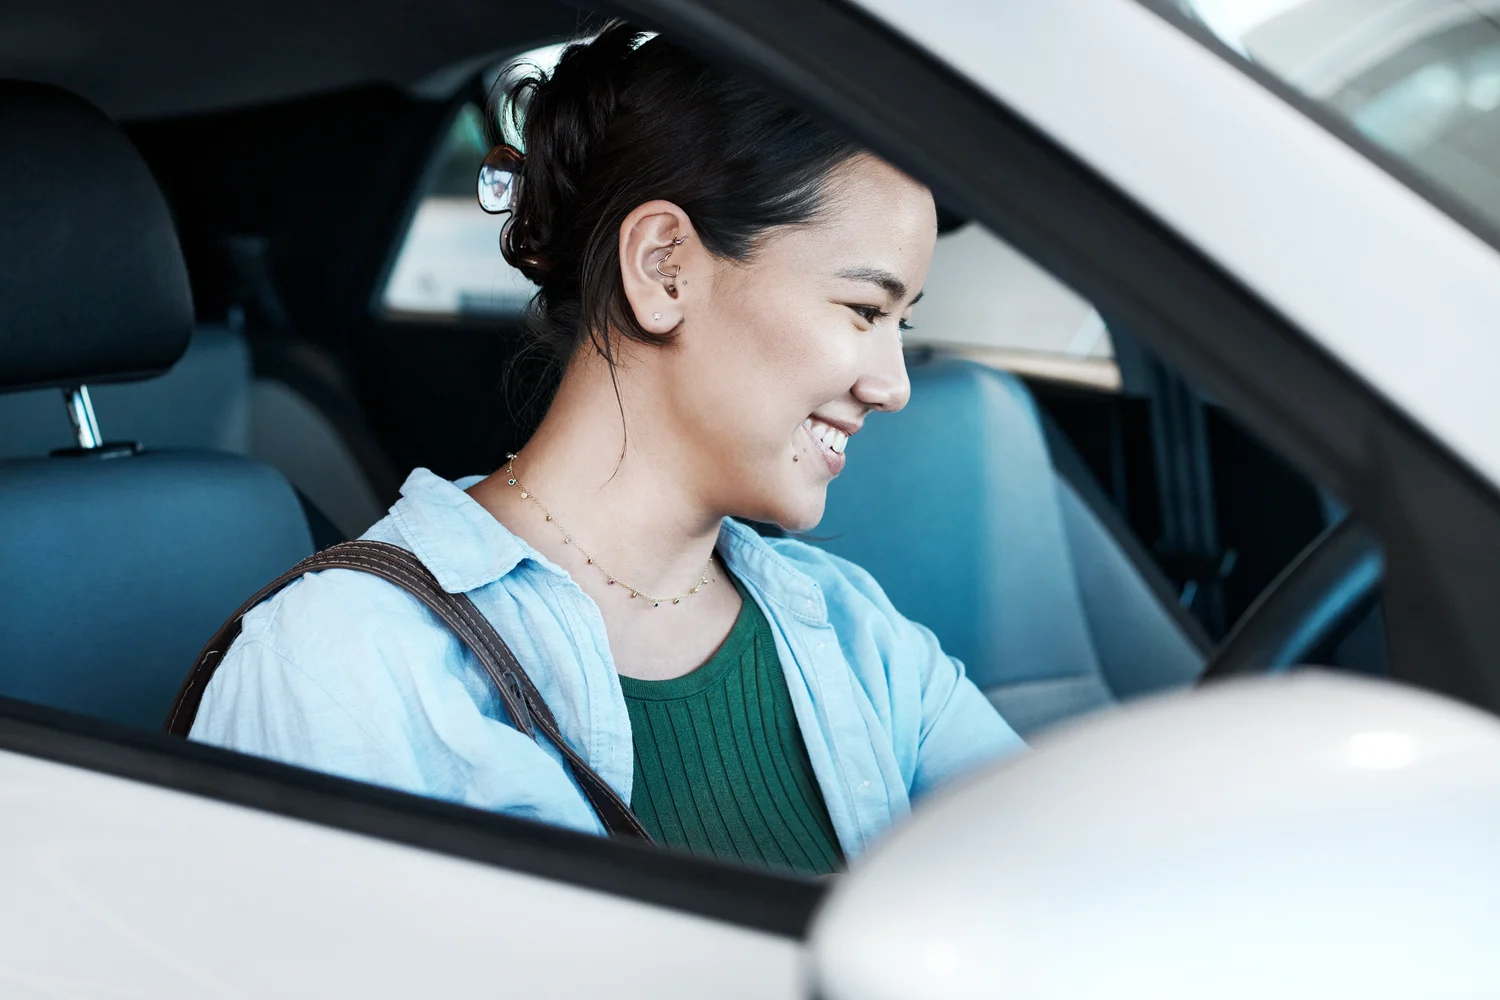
x=81, y=413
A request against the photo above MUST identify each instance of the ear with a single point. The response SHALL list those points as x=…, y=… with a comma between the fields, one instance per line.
x=646, y=239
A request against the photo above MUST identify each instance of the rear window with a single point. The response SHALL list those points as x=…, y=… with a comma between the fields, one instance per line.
x=449, y=263
x=1418, y=78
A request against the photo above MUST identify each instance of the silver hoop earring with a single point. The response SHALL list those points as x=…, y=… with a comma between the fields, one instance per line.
x=672, y=277
x=676, y=242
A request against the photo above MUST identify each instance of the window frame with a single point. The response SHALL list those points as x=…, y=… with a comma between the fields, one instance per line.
x=1341, y=128
x=757, y=900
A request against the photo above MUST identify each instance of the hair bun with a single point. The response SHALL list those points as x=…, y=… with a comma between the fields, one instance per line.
x=564, y=117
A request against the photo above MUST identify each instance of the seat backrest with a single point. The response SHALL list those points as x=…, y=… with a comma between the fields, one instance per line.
x=116, y=568
x=955, y=507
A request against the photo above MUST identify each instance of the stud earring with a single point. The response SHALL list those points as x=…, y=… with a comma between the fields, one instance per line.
x=656, y=316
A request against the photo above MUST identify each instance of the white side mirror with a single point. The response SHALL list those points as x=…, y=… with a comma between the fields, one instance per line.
x=1312, y=836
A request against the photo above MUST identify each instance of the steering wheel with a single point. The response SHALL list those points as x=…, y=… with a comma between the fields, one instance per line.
x=1324, y=592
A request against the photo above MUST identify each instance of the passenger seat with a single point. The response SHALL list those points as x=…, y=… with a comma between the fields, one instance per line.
x=1001, y=543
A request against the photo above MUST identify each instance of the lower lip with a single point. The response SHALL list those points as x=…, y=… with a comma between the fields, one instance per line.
x=834, y=460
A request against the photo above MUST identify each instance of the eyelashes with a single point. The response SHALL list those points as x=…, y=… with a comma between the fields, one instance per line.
x=874, y=314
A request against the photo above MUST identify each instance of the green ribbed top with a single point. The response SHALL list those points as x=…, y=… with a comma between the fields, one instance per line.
x=720, y=766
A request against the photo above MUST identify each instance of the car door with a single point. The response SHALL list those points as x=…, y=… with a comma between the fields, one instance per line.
x=135, y=865
x=141, y=866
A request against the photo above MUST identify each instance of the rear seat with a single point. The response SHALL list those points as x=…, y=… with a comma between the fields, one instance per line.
x=211, y=399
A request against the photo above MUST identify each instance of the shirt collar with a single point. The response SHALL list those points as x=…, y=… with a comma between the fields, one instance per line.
x=755, y=561
x=457, y=539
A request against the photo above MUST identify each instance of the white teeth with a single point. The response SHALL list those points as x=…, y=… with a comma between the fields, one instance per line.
x=830, y=437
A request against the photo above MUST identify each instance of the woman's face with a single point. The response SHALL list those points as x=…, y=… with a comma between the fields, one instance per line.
x=780, y=360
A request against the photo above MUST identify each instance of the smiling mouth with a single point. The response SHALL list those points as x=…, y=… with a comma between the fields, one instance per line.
x=828, y=436
x=829, y=442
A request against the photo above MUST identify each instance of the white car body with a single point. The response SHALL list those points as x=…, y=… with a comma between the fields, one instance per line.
x=113, y=888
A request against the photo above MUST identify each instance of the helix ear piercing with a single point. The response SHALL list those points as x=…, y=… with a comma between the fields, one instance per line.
x=676, y=268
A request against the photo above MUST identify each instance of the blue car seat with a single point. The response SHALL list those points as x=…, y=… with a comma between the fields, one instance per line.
x=999, y=542
x=119, y=562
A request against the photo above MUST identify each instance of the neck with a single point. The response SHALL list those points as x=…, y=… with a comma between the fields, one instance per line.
x=640, y=515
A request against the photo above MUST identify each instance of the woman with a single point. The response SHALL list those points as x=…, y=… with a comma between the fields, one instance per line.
x=724, y=284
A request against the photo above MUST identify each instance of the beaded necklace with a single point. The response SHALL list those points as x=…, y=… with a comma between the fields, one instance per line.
x=656, y=602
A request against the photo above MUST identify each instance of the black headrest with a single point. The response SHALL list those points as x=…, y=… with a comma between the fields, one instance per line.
x=92, y=283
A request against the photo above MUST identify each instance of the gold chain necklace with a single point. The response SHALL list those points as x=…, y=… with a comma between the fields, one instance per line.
x=656, y=602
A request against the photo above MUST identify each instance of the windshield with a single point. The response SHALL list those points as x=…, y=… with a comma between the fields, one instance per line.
x=1419, y=78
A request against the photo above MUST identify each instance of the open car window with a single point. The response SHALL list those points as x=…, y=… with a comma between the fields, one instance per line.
x=1102, y=519
x=1418, y=80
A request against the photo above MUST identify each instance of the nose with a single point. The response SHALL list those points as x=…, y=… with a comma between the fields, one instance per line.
x=884, y=385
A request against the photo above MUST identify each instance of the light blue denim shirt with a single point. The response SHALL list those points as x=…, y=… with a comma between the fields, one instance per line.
x=344, y=673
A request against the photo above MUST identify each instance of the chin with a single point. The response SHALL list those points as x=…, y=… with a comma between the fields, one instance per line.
x=800, y=516
x=790, y=502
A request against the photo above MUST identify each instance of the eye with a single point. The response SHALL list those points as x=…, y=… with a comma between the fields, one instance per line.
x=870, y=314
x=903, y=326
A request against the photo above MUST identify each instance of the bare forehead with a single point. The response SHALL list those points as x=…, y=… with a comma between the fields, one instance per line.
x=872, y=216
x=867, y=182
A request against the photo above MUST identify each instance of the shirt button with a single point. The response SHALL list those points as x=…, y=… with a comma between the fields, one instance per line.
x=865, y=783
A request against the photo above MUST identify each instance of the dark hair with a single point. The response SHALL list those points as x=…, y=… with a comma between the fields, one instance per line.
x=620, y=122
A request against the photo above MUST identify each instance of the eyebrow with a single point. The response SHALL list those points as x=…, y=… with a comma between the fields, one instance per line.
x=893, y=286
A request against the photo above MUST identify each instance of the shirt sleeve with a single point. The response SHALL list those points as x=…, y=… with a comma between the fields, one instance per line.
x=261, y=702
x=960, y=729
x=939, y=722
x=343, y=674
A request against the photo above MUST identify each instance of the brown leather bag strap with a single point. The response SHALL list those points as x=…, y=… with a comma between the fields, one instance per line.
x=523, y=703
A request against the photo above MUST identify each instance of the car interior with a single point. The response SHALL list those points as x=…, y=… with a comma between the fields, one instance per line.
x=210, y=371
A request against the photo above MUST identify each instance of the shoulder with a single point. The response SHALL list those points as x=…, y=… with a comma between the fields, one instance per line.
x=333, y=615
